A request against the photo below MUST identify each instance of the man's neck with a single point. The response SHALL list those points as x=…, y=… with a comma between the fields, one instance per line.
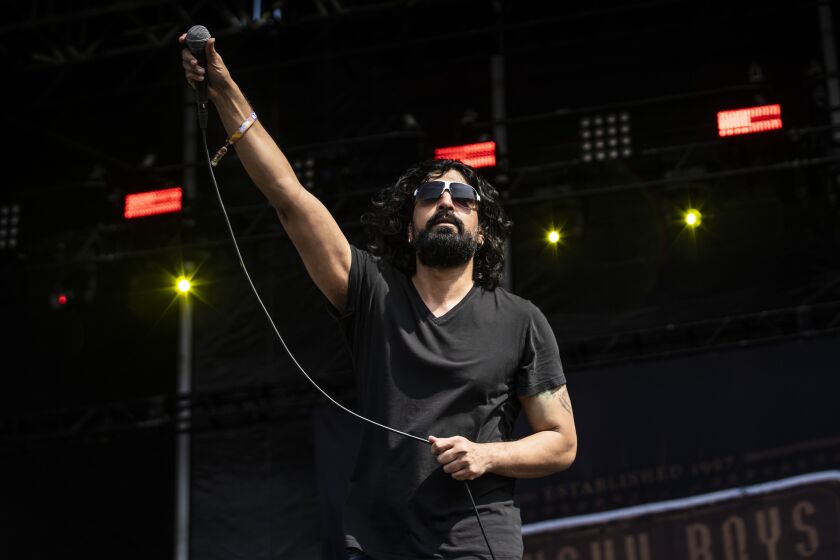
x=442, y=288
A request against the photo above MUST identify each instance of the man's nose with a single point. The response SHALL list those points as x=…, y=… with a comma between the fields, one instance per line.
x=445, y=200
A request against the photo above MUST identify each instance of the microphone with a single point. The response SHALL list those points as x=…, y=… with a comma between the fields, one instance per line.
x=196, y=40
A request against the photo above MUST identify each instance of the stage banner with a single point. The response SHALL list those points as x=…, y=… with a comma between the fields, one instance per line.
x=793, y=518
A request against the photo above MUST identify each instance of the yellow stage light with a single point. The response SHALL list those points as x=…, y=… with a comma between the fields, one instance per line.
x=183, y=285
x=693, y=218
x=553, y=236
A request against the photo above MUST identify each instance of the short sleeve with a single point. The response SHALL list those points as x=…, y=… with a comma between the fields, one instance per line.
x=540, y=368
x=364, y=272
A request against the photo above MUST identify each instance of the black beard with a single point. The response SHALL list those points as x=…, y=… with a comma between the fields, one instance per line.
x=441, y=247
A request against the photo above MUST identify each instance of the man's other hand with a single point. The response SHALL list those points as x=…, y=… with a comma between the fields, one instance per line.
x=462, y=458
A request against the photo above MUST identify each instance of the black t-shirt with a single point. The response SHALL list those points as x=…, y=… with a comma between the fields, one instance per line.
x=458, y=374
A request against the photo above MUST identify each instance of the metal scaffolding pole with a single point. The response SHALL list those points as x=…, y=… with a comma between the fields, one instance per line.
x=830, y=63
x=183, y=413
x=499, y=116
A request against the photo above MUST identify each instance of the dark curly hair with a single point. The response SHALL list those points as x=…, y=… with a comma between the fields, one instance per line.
x=392, y=208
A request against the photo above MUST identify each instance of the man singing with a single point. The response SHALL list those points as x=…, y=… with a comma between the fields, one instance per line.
x=438, y=348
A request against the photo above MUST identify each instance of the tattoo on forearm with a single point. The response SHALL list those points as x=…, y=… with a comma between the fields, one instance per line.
x=561, y=394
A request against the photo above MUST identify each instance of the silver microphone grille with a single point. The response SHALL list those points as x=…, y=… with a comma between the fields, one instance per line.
x=197, y=37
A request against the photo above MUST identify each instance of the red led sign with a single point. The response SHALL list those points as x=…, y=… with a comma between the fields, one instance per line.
x=482, y=154
x=151, y=203
x=749, y=120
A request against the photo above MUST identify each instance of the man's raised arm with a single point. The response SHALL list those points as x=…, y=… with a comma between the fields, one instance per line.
x=312, y=229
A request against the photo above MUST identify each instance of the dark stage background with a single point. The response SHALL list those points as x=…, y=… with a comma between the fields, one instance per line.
x=698, y=360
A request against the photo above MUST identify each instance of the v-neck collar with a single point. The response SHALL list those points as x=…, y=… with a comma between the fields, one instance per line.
x=427, y=313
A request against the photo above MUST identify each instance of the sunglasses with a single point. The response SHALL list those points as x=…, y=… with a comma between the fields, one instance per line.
x=463, y=195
